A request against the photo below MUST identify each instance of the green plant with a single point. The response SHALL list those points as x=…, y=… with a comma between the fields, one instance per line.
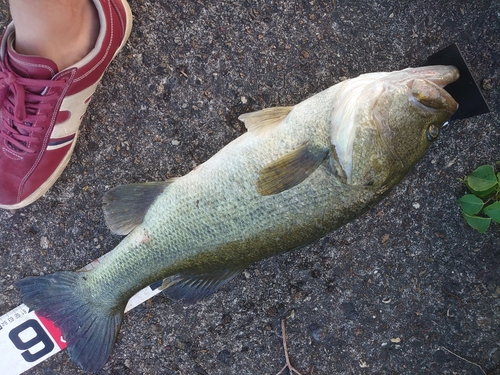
x=483, y=204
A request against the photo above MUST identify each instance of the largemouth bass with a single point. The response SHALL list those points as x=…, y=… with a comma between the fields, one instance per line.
x=297, y=174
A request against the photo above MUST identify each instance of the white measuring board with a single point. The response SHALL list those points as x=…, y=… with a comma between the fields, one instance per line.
x=27, y=339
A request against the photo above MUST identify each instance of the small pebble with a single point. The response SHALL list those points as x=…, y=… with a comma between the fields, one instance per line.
x=487, y=85
x=156, y=328
x=316, y=332
x=44, y=242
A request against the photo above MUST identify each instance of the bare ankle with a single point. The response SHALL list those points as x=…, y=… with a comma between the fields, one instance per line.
x=64, y=33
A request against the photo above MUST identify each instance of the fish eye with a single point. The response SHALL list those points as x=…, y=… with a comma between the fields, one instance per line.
x=432, y=133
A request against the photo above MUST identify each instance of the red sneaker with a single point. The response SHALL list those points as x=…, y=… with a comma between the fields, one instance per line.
x=41, y=109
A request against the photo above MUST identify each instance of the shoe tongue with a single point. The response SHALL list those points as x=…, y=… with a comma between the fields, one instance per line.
x=33, y=67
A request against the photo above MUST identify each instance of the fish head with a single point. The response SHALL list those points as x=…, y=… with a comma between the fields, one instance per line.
x=400, y=121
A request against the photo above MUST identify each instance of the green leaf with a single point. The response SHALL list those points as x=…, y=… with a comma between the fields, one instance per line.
x=482, y=182
x=471, y=204
x=481, y=224
x=493, y=211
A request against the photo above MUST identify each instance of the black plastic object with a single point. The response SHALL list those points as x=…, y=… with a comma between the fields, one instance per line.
x=464, y=90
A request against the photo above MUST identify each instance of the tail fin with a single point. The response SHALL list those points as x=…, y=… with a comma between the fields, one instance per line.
x=89, y=328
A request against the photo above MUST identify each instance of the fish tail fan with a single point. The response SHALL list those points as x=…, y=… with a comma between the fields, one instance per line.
x=88, y=327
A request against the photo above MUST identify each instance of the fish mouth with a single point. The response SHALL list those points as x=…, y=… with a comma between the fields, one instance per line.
x=441, y=75
x=431, y=96
x=427, y=89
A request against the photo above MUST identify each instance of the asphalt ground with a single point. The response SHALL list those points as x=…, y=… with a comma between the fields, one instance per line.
x=408, y=288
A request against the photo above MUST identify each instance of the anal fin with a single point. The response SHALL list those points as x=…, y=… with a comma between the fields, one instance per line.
x=191, y=287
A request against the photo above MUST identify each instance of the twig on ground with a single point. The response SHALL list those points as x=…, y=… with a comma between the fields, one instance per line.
x=290, y=367
x=462, y=358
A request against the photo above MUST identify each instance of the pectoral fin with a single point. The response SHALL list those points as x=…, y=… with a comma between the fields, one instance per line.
x=125, y=205
x=192, y=288
x=290, y=170
x=260, y=121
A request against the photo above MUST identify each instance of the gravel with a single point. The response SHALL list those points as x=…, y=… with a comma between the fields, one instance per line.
x=408, y=288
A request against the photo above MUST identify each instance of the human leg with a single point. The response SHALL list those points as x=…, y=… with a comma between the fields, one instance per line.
x=41, y=106
x=63, y=31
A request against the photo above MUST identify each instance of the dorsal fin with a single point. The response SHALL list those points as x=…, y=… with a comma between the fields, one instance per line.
x=290, y=170
x=265, y=119
x=125, y=205
x=191, y=287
